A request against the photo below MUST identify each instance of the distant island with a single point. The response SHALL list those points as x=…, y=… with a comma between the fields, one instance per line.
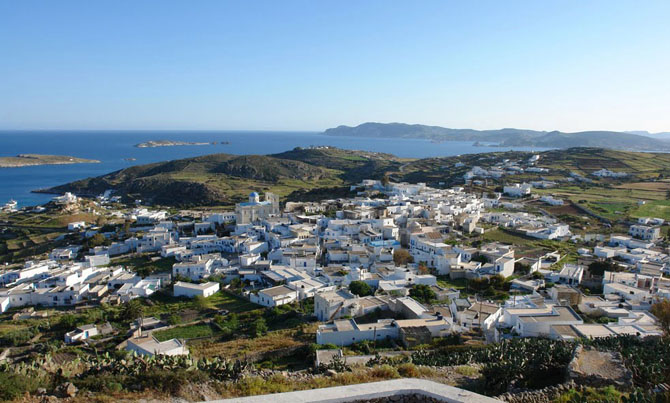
x=507, y=137
x=172, y=143
x=27, y=160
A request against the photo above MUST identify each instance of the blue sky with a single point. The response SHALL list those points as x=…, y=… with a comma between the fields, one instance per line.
x=310, y=65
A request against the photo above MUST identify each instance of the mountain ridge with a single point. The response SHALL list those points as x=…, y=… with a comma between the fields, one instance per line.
x=507, y=137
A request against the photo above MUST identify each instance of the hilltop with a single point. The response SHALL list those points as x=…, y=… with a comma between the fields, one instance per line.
x=507, y=137
x=327, y=172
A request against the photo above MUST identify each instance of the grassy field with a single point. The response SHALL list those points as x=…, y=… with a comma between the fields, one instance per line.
x=655, y=208
x=273, y=340
x=615, y=203
x=162, y=303
x=185, y=332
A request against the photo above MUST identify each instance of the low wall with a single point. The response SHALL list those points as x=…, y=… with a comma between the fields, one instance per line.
x=398, y=390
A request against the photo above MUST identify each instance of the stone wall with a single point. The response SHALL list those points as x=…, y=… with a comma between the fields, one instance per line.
x=409, y=398
x=548, y=394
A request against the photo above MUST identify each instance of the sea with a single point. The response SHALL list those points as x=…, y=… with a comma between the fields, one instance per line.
x=116, y=150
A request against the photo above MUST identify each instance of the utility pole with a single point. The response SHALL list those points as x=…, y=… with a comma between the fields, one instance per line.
x=480, y=316
x=374, y=339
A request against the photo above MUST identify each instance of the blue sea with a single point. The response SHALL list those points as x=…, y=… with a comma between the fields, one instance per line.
x=112, y=148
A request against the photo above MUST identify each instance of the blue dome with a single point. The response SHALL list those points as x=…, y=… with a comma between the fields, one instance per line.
x=253, y=194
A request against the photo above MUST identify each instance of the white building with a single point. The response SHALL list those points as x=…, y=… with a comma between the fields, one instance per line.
x=644, y=232
x=518, y=189
x=550, y=200
x=274, y=296
x=75, y=226
x=191, y=290
x=255, y=209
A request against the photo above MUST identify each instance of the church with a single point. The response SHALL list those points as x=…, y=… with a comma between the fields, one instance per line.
x=255, y=209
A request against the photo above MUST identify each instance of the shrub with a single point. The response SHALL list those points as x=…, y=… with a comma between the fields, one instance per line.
x=401, y=257
x=101, y=383
x=408, y=370
x=360, y=288
x=258, y=328
x=168, y=381
x=17, y=337
x=15, y=385
x=423, y=293
x=385, y=371
x=467, y=370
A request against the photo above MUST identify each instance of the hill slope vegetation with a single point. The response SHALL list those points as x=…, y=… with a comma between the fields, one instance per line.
x=326, y=172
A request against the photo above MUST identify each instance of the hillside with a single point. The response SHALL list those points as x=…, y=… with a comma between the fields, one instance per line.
x=216, y=179
x=507, y=137
x=326, y=172
x=224, y=179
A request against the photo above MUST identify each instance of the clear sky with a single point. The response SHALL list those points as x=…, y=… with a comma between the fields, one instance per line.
x=568, y=65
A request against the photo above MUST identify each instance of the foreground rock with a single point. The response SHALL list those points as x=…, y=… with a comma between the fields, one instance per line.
x=599, y=368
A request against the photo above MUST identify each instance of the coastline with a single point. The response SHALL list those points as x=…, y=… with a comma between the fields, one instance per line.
x=31, y=160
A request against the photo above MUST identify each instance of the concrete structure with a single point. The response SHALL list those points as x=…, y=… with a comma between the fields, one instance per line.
x=148, y=345
x=393, y=390
x=346, y=331
x=538, y=322
x=81, y=333
x=274, y=296
x=191, y=290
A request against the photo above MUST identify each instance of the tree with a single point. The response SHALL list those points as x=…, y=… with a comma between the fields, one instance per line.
x=423, y=268
x=521, y=268
x=100, y=221
x=68, y=321
x=360, y=288
x=401, y=257
x=662, y=312
x=132, y=310
x=385, y=180
x=97, y=240
x=258, y=328
x=599, y=267
x=200, y=303
x=423, y=293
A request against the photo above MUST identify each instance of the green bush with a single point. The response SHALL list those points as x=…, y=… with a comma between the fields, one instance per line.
x=360, y=288
x=423, y=293
x=258, y=328
x=17, y=337
x=102, y=383
x=13, y=386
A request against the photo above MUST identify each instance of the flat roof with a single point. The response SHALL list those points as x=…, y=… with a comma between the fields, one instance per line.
x=594, y=330
x=194, y=286
x=276, y=291
x=565, y=331
x=559, y=313
x=344, y=325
